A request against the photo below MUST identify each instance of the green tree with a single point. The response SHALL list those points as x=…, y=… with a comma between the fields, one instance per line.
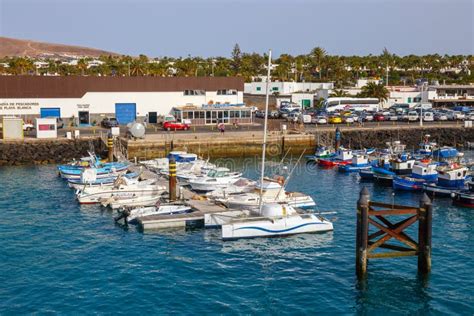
x=339, y=93
x=319, y=57
x=236, y=59
x=374, y=90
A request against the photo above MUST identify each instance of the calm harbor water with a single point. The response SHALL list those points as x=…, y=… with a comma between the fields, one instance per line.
x=58, y=257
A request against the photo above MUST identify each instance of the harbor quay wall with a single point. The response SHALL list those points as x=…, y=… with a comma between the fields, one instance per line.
x=250, y=144
x=42, y=151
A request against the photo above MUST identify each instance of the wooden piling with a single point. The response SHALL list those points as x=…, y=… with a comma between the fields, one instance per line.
x=110, y=147
x=362, y=232
x=425, y=215
x=172, y=179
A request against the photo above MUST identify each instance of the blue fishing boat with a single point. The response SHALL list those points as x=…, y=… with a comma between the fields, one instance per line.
x=464, y=198
x=451, y=179
x=102, y=172
x=421, y=174
x=358, y=162
x=182, y=156
x=74, y=183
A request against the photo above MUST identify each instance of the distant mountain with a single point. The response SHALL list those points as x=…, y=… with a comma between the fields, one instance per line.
x=21, y=48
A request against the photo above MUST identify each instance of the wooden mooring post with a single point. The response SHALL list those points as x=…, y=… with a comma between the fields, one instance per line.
x=369, y=244
x=172, y=179
x=110, y=147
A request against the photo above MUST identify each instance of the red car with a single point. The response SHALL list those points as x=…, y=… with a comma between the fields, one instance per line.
x=172, y=126
x=379, y=117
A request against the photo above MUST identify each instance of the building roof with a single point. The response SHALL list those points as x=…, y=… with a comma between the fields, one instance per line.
x=457, y=86
x=77, y=86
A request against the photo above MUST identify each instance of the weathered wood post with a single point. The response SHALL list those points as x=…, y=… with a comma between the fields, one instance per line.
x=338, y=139
x=362, y=232
x=172, y=179
x=110, y=147
x=425, y=217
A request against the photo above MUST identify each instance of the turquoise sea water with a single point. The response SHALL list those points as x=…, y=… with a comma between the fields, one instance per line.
x=58, y=257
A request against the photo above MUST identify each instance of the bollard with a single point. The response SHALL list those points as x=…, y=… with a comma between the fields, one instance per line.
x=338, y=138
x=172, y=179
x=362, y=233
x=425, y=217
x=110, y=147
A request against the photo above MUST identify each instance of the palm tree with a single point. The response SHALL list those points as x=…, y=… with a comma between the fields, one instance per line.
x=374, y=90
x=319, y=55
x=338, y=93
x=82, y=65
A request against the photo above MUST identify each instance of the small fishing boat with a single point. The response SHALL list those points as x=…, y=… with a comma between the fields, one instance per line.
x=240, y=186
x=105, y=181
x=451, y=179
x=464, y=198
x=322, y=152
x=94, y=195
x=366, y=174
x=421, y=174
x=102, y=172
x=343, y=157
x=359, y=162
x=215, y=179
x=270, y=192
x=275, y=220
x=117, y=202
x=161, y=209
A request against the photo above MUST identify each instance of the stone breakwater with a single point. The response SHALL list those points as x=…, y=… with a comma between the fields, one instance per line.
x=250, y=144
x=237, y=144
x=37, y=151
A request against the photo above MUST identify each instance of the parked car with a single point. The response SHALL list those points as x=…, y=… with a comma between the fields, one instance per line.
x=304, y=118
x=109, y=122
x=392, y=117
x=274, y=114
x=293, y=117
x=367, y=117
x=459, y=115
x=440, y=116
x=413, y=116
x=319, y=120
x=470, y=116
x=260, y=114
x=379, y=117
x=335, y=119
x=170, y=126
x=348, y=119
x=28, y=127
x=428, y=116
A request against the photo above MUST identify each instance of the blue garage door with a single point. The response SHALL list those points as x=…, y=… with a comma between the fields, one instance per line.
x=125, y=112
x=50, y=112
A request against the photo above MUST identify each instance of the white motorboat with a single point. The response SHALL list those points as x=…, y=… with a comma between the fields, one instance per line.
x=240, y=186
x=275, y=220
x=117, y=202
x=215, y=179
x=165, y=209
x=93, y=195
x=271, y=192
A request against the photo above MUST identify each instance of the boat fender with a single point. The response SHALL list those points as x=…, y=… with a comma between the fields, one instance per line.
x=284, y=210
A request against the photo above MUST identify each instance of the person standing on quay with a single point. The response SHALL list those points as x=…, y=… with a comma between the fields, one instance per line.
x=221, y=128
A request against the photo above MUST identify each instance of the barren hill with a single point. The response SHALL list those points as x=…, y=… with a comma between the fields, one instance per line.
x=16, y=47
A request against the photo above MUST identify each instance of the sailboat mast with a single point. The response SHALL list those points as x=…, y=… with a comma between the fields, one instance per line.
x=264, y=147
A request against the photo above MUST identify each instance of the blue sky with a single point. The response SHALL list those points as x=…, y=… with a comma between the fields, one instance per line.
x=212, y=27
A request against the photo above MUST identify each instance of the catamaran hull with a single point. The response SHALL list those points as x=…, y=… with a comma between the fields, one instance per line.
x=275, y=227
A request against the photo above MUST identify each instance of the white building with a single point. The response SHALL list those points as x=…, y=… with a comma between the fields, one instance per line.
x=89, y=99
x=286, y=87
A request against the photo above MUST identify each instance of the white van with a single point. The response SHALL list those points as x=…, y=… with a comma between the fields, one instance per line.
x=428, y=116
x=413, y=116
